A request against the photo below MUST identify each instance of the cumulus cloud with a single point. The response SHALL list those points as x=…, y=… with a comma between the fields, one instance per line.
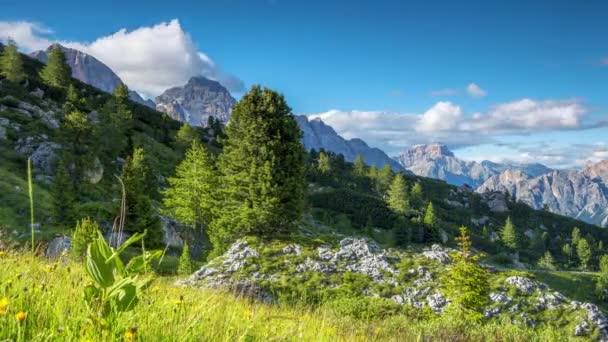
x=446, y=122
x=148, y=59
x=443, y=116
x=475, y=91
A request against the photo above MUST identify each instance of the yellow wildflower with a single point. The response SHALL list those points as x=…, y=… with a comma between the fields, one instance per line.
x=20, y=316
x=131, y=334
x=4, y=305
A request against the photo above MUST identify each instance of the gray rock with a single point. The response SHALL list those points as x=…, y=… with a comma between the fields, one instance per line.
x=437, y=302
x=582, y=328
x=3, y=133
x=171, y=236
x=499, y=297
x=58, y=246
x=94, y=174
x=43, y=158
x=39, y=93
x=4, y=122
x=525, y=285
x=293, y=248
x=480, y=221
x=438, y=253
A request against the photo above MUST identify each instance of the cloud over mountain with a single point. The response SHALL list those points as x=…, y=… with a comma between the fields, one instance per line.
x=149, y=59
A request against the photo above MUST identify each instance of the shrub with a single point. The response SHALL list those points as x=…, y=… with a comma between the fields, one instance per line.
x=84, y=233
x=185, y=262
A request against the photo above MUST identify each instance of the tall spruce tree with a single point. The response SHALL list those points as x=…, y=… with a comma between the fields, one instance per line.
x=11, y=65
x=63, y=195
x=385, y=177
x=397, y=197
x=416, y=195
x=185, y=136
x=508, y=235
x=56, y=73
x=77, y=136
x=116, y=125
x=262, y=169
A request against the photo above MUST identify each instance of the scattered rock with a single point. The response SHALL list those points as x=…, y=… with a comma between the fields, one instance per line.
x=44, y=157
x=57, y=246
x=525, y=285
x=292, y=249
x=499, y=297
x=437, y=302
x=437, y=253
x=39, y=93
x=480, y=221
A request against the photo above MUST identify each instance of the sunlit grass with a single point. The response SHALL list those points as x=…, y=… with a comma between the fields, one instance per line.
x=44, y=302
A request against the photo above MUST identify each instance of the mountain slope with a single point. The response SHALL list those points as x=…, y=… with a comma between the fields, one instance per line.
x=579, y=194
x=318, y=135
x=437, y=161
x=90, y=70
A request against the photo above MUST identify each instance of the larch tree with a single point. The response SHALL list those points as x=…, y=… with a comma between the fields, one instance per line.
x=56, y=73
x=431, y=223
x=508, y=235
x=416, y=195
x=324, y=163
x=359, y=166
x=385, y=176
x=262, y=169
x=11, y=65
x=185, y=136
x=583, y=250
x=397, y=197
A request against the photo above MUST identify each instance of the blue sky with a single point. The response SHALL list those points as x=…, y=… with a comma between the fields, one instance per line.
x=399, y=68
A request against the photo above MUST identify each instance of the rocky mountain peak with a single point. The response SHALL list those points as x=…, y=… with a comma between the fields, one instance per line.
x=196, y=101
x=597, y=170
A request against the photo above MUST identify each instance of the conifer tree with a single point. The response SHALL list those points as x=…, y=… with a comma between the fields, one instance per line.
x=63, y=195
x=116, y=124
x=192, y=194
x=359, y=166
x=262, y=168
x=136, y=177
x=583, y=250
x=576, y=236
x=77, y=137
x=508, y=235
x=385, y=176
x=324, y=163
x=601, y=286
x=185, y=136
x=547, y=262
x=431, y=223
x=467, y=283
x=56, y=73
x=11, y=65
x=397, y=198
x=185, y=266
x=401, y=232
x=416, y=195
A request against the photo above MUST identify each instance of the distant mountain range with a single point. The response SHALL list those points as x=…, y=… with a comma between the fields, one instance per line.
x=579, y=194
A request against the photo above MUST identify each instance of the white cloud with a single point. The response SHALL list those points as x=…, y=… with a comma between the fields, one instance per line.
x=447, y=123
x=443, y=116
x=475, y=91
x=148, y=59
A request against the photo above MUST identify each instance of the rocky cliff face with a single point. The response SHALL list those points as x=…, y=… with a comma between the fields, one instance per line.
x=437, y=161
x=579, y=194
x=196, y=101
x=317, y=135
x=90, y=70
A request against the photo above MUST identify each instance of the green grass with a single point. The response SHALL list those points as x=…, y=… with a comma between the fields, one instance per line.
x=51, y=296
x=577, y=286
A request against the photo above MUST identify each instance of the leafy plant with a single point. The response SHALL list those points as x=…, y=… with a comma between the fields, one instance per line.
x=115, y=287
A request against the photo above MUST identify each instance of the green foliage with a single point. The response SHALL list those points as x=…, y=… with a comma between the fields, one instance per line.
x=576, y=236
x=431, y=223
x=57, y=72
x=63, y=195
x=547, y=262
x=116, y=124
x=86, y=232
x=601, y=285
x=397, y=197
x=186, y=266
x=192, y=194
x=467, y=283
x=508, y=235
x=185, y=137
x=11, y=65
x=77, y=137
x=324, y=163
x=417, y=194
x=364, y=307
x=359, y=168
x=385, y=177
x=583, y=250
x=115, y=288
x=139, y=182
x=262, y=169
